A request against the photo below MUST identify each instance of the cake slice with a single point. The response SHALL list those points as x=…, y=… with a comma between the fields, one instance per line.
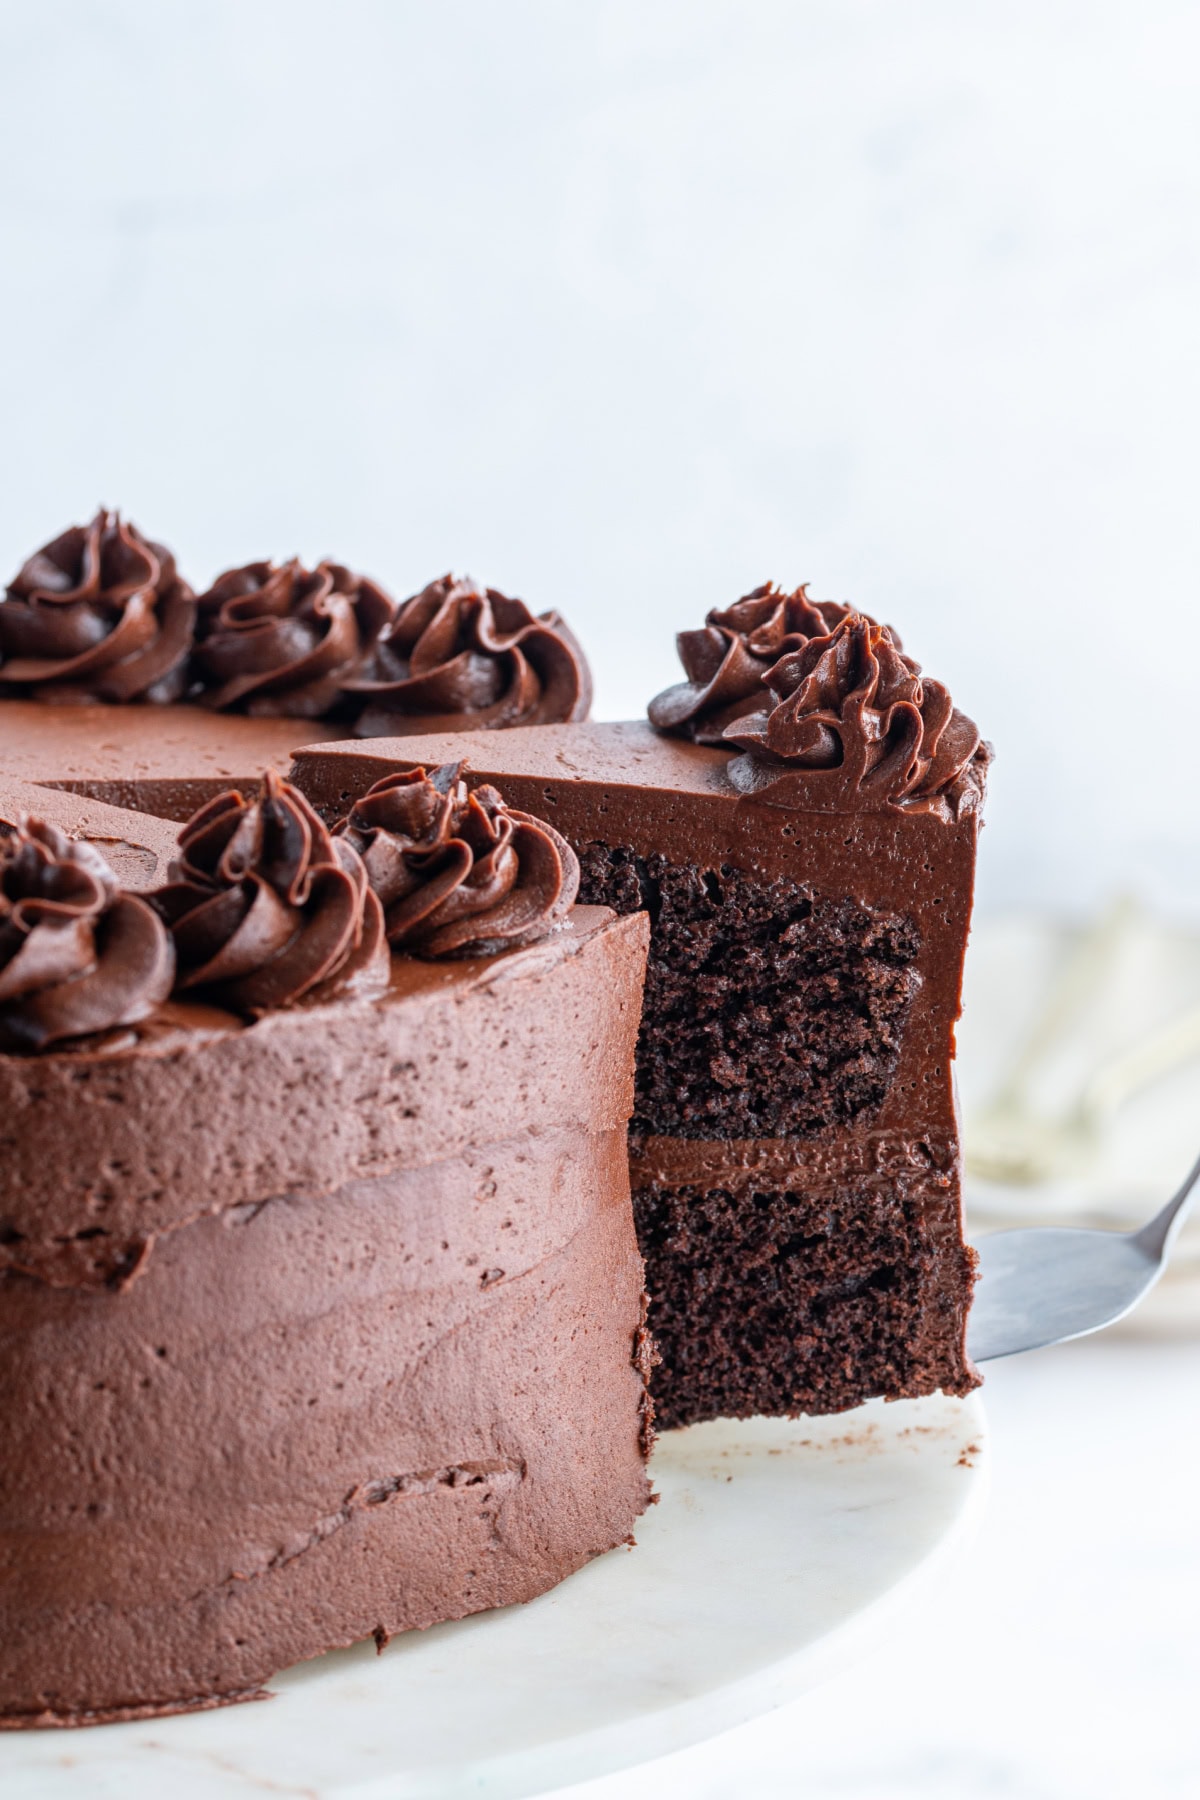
x=794, y=1149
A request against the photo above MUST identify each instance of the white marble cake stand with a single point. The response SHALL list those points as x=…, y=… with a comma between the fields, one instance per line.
x=779, y=1552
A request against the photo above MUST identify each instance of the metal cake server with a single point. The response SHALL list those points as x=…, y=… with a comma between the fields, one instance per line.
x=1045, y=1285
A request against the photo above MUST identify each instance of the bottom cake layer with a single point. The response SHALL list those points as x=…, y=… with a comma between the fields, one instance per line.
x=769, y=1299
x=317, y=1419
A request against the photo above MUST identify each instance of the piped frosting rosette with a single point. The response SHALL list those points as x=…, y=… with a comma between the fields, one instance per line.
x=100, y=613
x=726, y=660
x=266, y=908
x=77, y=956
x=283, y=640
x=459, y=874
x=459, y=657
x=853, y=722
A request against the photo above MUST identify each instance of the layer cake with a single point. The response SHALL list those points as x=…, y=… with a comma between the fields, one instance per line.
x=808, y=876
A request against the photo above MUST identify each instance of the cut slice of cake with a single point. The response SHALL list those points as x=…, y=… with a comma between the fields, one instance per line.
x=795, y=1146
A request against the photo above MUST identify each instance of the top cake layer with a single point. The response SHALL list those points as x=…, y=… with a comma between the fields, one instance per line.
x=907, y=877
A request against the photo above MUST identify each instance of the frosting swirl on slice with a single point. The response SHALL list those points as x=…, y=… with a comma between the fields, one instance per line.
x=77, y=956
x=459, y=874
x=726, y=659
x=100, y=613
x=462, y=657
x=855, y=714
x=281, y=640
x=266, y=908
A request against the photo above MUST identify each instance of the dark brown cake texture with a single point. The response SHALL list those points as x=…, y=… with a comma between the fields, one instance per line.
x=221, y=687
x=321, y=1310
x=808, y=878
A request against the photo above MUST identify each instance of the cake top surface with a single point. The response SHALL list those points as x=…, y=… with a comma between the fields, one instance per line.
x=411, y=983
x=629, y=755
x=264, y=908
x=137, y=846
x=101, y=743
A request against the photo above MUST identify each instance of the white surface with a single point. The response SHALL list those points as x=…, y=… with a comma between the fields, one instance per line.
x=628, y=305
x=1149, y=1143
x=1059, y=1659
x=778, y=1551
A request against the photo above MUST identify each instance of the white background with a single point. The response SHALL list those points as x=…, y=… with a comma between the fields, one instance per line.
x=626, y=305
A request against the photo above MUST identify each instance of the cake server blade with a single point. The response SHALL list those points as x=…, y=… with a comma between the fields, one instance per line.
x=1048, y=1284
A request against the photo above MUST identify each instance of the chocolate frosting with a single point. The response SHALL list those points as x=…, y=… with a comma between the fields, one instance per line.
x=100, y=613
x=266, y=908
x=77, y=956
x=727, y=659
x=376, y=1369
x=462, y=657
x=858, y=717
x=459, y=874
x=283, y=639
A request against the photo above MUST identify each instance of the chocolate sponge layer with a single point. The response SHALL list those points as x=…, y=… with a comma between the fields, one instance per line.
x=770, y=1011
x=774, y=1301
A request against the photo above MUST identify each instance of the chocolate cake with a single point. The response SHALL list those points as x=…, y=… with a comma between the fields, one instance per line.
x=321, y=1311
x=118, y=682
x=800, y=823
x=315, y=1227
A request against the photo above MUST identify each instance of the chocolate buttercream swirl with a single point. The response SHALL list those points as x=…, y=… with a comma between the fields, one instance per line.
x=726, y=659
x=281, y=640
x=77, y=956
x=266, y=908
x=857, y=714
x=459, y=657
x=98, y=614
x=459, y=874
